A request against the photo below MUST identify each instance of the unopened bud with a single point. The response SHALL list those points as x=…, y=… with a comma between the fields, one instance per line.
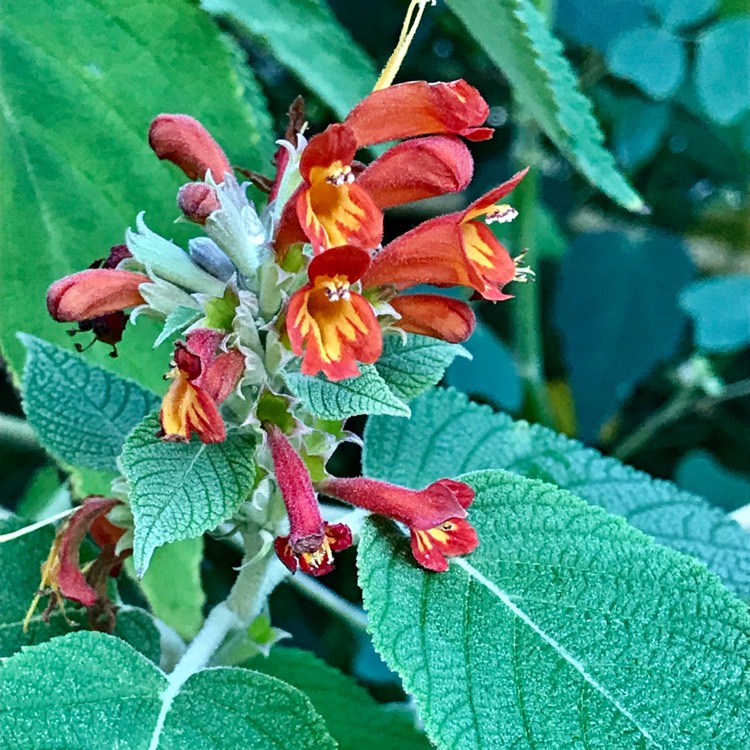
x=197, y=201
x=182, y=140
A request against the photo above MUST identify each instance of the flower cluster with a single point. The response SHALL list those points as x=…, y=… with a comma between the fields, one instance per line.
x=306, y=286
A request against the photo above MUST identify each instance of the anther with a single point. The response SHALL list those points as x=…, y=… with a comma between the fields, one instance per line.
x=502, y=214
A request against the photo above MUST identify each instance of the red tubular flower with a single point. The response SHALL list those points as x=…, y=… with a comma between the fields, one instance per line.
x=417, y=169
x=435, y=516
x=202, y=379
x=432, y=315
x=182, y=140
x=93, y=293
x=420, y=108
x=452, y=250
x=333, y=326
x=311, y=542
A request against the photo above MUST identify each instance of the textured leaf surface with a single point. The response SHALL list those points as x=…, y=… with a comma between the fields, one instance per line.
x=720, y=309
x=354, y=719
x=721, y=80
x=410, y=367
x=81, y=413
x=565, y=628
x=651, y=57
x=20, y=560
x=81, y=82
x=172, y=585
x=306, y=37
x=516, y=37
x=180, y=490
x=447, y=435
x=616, y=310
x=366, y=394
x=88, y=691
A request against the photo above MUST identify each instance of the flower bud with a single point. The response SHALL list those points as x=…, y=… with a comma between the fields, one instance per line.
x=197, y=201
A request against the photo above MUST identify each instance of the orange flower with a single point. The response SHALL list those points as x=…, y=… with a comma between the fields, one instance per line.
x=311, y=541
x=420, y=108
x=334, y=326
x=202, y=379
x=452, y=250
x=435, y=516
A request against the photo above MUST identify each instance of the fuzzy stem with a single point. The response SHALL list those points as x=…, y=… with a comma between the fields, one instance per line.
x=330, y=600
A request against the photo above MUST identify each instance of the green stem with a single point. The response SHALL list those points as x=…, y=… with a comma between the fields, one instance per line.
x=526, y=307
x=17, y=431
x=330, y=600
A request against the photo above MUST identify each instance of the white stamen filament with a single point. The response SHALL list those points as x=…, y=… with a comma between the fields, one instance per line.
x=38, y=525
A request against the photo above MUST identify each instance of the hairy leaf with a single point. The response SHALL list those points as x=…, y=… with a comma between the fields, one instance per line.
x=82, y=81
x=410, y=367
x=354, y=719
x=366, y=394
x=565, y=628
x=89, y=690
x=305, y=36
x=516, y=36
x=180, y=490
x=81, y=413
x=448, y=435
x=720, y=309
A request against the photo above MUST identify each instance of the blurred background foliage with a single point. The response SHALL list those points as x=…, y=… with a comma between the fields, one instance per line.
x=643, y=341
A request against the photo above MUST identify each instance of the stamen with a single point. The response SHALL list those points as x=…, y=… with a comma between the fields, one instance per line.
x=337, y=291
x=408, y=30
x=523, y=273
x=502, y=214
x=342, y=177
x=34, y=526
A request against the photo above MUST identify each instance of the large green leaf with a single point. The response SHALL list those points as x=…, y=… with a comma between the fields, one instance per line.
x=180, y=490
x=516, y=37
x=447, y=435
x=305, y=36
x=81, y=82
x=354, y=719
x=20, y=561
x=88, y=691
x=366, y=394
x=565, y=628
x=81, y=413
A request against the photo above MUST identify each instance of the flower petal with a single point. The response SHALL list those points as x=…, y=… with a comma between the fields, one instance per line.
x=455, y=536
x=480, y=205
x=433, y=315
x=336, y=144
x=489, y=260
x=186, y=409
x=348, y=261
x=419, y=108
x=94, y=293
x=417, y=169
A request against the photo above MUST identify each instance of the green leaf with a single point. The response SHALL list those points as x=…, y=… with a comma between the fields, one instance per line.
x=354, y=719
x=180, y=490
x=366, y=394
x=20, y=561
x=491, y=374
x=652, y=58
x=306, y=37
x=89, y=691
x=82, y=81
x=517, y=39
x=565, y=628
x=44, y=496
x=616, y=310
x=448, y=435
x=677, y=13
x=81, y=413
x=172, y=585
x=722, y=79
x=720, y=309
x=410, y=367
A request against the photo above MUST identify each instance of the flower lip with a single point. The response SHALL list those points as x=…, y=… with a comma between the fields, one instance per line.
x=344, y=260
x=331, y=152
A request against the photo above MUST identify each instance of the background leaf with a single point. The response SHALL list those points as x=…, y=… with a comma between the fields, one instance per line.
x=698, y=471
x=354, y=719
x=81, y=413
x=675, y=13
x=565, y=627
x=448, y=435
x=77, y=167
x=651, y=57
x=366, y=394
x=516, y=37
x=639, y=130
x=410, y=367
x=305, y=36
x=58, y=694
x=180, y=490
x=616, y=310
x=720, y=309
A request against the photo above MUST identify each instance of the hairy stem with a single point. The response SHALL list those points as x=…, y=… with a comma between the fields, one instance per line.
x=330, y=600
